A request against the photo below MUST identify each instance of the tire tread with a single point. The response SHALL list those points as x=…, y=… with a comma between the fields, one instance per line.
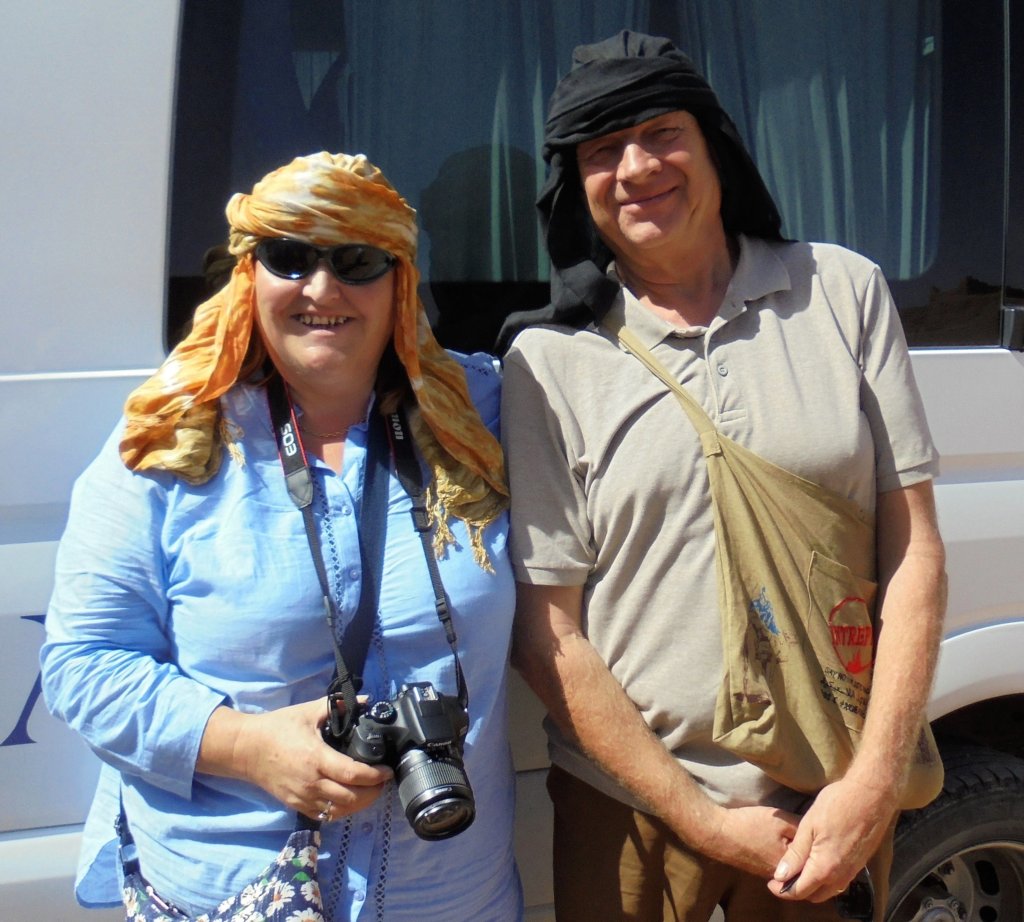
x=982, y=786
x=970, y=769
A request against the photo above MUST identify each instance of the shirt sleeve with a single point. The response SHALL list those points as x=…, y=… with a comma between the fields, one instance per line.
x=551, y=537
x=904, y=451
x=108, y=666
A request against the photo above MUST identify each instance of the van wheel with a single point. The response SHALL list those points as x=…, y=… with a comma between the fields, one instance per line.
x=961, y=858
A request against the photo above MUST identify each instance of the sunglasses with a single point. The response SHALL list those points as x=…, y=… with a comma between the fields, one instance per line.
x=351, y=263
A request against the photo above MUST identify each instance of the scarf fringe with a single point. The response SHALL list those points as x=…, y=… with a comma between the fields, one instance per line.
x=231, y=435
x=443, y=537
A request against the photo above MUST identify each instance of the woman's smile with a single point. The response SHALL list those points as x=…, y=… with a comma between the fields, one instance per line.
x=318, y=320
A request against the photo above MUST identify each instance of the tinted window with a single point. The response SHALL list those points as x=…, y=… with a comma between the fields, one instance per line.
x=876, y=124
x=956, y=299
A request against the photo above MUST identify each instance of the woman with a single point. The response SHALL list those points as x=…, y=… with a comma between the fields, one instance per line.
x=187, y=638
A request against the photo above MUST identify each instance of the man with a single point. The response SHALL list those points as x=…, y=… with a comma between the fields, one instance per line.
x=656, y=216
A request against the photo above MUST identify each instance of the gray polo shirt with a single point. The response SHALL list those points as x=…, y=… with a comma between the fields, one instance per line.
x=805, y=364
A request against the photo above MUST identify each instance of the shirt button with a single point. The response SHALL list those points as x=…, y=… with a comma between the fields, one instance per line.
x=359, y=896
x=346, y=510
x=722, y=370
x=353, y=574
x=367, y=828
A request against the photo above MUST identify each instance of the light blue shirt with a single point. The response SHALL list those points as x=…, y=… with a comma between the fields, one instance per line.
x=172, y=599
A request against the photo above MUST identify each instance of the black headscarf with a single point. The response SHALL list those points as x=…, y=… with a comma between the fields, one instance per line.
x=615, y=84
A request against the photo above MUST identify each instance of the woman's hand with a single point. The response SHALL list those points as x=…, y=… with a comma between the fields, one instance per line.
x=284, y=753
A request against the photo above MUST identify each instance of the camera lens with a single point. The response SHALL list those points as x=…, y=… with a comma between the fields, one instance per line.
x=435, y=794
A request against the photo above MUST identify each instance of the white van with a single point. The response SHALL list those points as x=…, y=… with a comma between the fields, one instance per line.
x=891, y=127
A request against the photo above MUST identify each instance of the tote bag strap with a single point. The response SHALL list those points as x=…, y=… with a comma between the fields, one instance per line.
x=701, y=421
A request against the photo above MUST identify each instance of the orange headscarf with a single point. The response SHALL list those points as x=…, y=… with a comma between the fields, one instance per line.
x=173, y=419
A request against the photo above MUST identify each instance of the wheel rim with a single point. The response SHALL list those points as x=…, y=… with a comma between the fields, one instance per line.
x=983, y=883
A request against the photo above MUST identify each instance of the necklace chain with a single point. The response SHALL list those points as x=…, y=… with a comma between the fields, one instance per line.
x=340, y=434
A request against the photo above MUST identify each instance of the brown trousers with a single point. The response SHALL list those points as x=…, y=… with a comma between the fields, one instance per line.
x=613, y=863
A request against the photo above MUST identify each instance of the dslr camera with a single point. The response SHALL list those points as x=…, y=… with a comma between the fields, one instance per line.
x=419, y=735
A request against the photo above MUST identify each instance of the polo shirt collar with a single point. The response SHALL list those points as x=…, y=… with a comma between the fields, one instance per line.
x=759, y=273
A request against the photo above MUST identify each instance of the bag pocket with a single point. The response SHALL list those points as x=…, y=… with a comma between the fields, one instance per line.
x=840, y=624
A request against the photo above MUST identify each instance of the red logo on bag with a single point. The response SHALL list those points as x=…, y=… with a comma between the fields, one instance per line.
x=852, y=635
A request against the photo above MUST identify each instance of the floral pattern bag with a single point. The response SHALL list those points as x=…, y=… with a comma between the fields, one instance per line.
x=287, y=890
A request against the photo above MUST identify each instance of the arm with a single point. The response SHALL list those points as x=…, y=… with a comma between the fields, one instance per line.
x=107, y=664
x=847, y=821
x=106, y=674
x=110, y=664
x=585, y=700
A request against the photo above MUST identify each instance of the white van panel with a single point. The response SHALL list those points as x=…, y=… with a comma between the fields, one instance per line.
x=981, y=525
x=534, y=817
x=57, y=771
x=970, y=395
x=529, y=741
x=35, y=881
x=35, y=484
x=85, y=148
x=978, y=666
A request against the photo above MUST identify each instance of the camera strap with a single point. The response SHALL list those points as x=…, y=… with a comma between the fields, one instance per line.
x=372, y=529
x=372, y=533
x=410, y=474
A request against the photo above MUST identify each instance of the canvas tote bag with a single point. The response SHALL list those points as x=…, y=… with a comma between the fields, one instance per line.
x=796, y=585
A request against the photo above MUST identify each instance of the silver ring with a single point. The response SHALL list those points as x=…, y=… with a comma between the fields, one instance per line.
x=325, y=815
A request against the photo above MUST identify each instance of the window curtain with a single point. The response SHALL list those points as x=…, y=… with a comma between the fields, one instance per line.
x=839, y=104
x=837, y=100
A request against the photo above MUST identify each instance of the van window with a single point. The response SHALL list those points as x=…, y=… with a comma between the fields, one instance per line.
x=879, y=125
